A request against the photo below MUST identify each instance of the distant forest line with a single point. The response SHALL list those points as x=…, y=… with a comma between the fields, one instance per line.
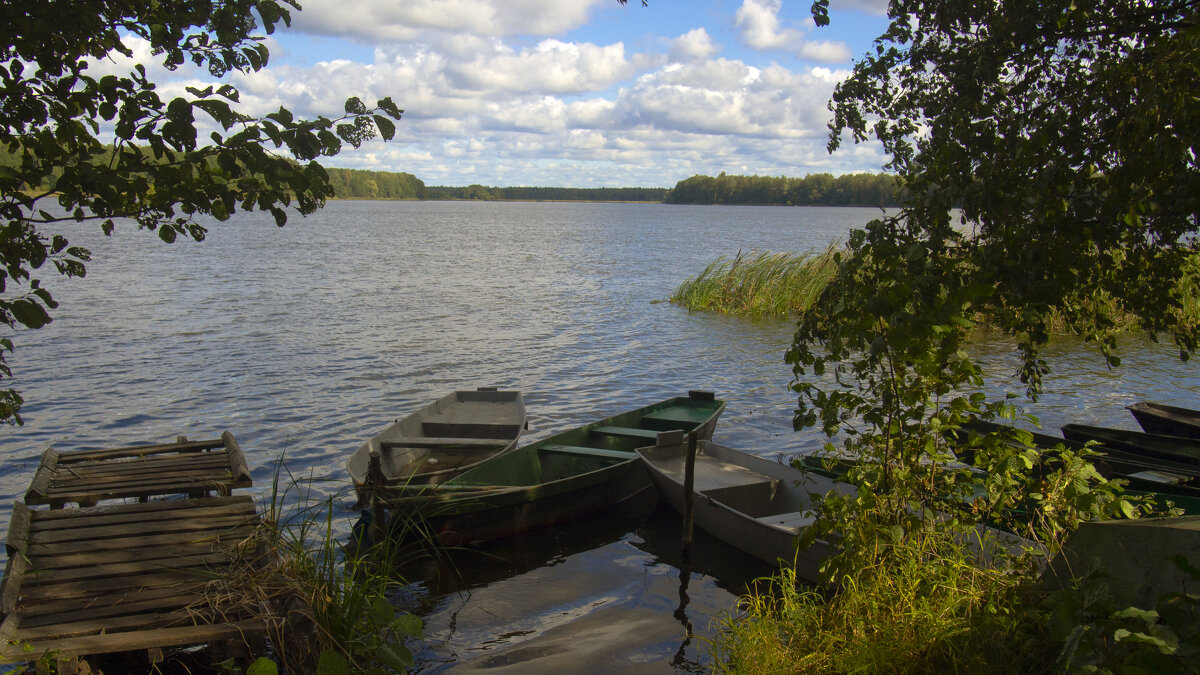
x=820, y=189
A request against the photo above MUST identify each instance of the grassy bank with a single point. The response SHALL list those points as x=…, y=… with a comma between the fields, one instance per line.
x=759, y=283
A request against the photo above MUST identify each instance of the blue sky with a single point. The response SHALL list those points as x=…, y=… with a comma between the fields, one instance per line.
x=583, y=93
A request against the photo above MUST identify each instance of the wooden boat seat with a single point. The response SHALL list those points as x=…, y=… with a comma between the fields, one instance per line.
x=588, y=452
x=442, y=441
x=627, y=432
x=793, y=521
x=679, y=413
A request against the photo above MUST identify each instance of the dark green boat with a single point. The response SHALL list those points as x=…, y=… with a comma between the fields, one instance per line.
x=586, y=469
x=1168, y=481
x=1156, y=446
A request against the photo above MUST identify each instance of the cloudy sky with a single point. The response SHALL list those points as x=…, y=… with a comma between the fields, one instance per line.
x=584, y=93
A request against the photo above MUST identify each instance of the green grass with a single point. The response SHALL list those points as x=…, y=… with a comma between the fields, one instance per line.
x=327, y=604
x=917, y=611
x=759, y=283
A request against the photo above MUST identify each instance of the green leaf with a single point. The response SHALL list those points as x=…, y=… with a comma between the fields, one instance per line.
x=381, y=611
x=410, y=625
x=332, y=663
x=262, y=666
x=394, y=655
x=387, y=129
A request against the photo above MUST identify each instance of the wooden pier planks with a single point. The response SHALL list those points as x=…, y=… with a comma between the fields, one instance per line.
x=88, y=476
x=130, y=576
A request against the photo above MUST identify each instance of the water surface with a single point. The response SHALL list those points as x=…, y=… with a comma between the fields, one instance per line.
x=303, y=341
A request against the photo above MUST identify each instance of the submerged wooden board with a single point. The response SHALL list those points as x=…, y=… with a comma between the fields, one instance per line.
x=126, y=577
x=89, y=476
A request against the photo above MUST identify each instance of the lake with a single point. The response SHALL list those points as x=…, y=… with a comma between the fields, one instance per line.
x=304, y=341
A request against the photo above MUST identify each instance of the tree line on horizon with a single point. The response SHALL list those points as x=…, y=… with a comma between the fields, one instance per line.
x=820, y=189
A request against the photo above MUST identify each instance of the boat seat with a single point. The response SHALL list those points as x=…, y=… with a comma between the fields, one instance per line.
x=628, y=432
x=588, y=452
x=793, y=521
x=441, y=441
x=680, y=413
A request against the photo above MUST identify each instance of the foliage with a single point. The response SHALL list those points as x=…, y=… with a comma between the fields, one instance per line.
x=104, y=147
x=341, y=594
x=559, y=194
x=925, y=609
x=1067, y=134
x=359, y=184
x=1098, y=635
x=774, y=284
x=819, y=189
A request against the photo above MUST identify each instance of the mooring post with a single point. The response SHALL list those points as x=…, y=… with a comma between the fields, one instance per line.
x=689, y=483
x=374, y=486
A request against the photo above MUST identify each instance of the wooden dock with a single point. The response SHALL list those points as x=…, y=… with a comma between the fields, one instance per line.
x=131, y=576
x=86, y=477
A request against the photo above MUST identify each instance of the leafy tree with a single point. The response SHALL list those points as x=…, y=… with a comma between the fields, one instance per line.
x=103, y=148
x=1067, y=133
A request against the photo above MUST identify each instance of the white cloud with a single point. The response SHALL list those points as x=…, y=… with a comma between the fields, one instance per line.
x=695, y=45
x=404, y=21
x=760, y=29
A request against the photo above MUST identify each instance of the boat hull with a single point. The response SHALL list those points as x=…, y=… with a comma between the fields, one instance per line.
x=1155, y=446
x=1156, y=418
x=579, y=471
x=442, y=440
x=753, y=504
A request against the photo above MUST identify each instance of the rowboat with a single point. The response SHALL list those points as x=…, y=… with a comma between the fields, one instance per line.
x=1175, y=481
x=443, y=439
x=1173, y=448
x=586, y=469
x=1156, y=418
x=754, y=504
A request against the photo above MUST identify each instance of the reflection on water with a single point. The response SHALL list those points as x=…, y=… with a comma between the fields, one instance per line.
x=303, y=341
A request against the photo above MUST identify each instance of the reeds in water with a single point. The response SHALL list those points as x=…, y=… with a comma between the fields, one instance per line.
x=759, y=283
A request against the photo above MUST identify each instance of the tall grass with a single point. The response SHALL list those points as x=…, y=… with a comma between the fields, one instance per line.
x=326, y=605
x=918, y=610
x=759, y=283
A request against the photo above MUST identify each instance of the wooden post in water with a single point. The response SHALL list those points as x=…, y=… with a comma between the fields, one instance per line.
x=374, y=487
x=689, y=483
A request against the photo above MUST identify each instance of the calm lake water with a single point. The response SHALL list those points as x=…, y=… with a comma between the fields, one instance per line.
x=305, y=340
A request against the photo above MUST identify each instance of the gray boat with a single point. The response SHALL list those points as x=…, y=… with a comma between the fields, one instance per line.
x=751, y=503
x=443, y=439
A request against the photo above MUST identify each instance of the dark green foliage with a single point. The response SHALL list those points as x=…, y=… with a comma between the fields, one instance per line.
x=360, y=184
x=103, y=148
x=820, y=189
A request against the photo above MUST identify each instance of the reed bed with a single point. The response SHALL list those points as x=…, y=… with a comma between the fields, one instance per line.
x=759, y=283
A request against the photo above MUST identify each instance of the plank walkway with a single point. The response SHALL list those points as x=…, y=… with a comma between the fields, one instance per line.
x=131, y=576
x=86, y=477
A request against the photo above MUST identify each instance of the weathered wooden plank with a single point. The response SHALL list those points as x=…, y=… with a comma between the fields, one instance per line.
x=228, y=535
x=247, y=509
x=44, y=474
x=107, y=625
x=111, y=604
x=89, y=558
x=14, y=578
x=443, y=441
x=139, y=510
x=137, y=450
x=158, y=463
x=32, y=593
x=237, y=460
x=137, y=529
x=140, y=480
x=121, y=642
x=211, y=559
x=18, y=528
